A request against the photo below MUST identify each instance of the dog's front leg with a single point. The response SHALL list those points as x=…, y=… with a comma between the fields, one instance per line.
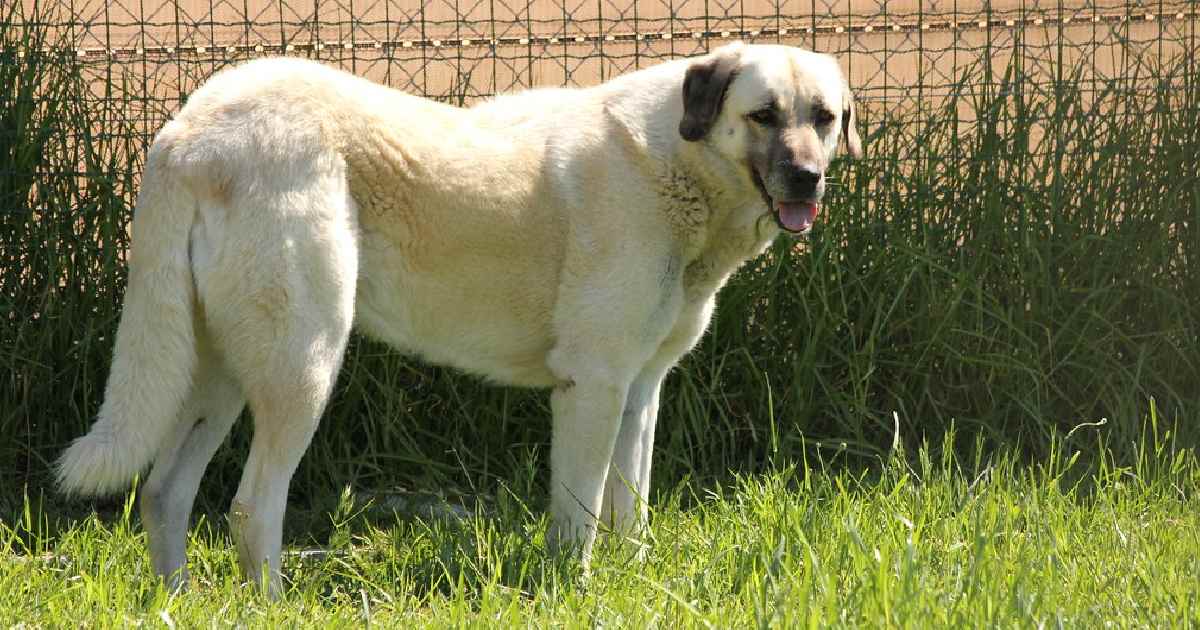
x=587, y=416
x=626, y=491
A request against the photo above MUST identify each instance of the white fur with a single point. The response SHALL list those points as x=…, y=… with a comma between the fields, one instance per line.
x=554, y=238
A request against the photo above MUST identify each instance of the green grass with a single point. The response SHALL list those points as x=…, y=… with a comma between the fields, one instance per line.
x=912, y=542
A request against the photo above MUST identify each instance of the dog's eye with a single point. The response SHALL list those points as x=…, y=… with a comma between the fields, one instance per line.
x=764, y=116
x=823, y=116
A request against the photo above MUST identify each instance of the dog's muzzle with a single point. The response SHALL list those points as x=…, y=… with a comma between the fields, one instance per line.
x=793, y=217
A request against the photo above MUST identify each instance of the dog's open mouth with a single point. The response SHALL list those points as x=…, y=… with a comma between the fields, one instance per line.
x=794, y=217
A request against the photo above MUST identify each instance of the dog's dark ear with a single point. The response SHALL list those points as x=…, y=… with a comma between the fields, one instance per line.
x=704, y=88
x=850, y=125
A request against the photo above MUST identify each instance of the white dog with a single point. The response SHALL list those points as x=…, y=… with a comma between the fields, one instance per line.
x=572, y=239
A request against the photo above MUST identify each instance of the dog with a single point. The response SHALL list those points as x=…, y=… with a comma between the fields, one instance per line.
x=569, y=239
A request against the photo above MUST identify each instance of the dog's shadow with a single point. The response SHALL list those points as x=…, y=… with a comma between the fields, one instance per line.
x=422, y=544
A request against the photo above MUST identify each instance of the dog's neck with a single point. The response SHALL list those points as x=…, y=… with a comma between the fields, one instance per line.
x=737, y=227
x=717, y=215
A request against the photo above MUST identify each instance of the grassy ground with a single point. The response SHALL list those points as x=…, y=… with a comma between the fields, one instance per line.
x=989, y=543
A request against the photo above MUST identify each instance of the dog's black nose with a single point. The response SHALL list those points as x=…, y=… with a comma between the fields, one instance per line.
x=804, y=181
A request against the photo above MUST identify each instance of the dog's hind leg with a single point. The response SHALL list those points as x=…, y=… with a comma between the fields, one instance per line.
x=284, y=423
x=282, y=320
x=286, y=398
x=166, y=499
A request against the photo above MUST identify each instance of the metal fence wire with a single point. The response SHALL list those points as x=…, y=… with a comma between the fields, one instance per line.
x=149, y=54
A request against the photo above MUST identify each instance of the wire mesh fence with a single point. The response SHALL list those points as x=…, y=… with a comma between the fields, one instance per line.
x=149, y=54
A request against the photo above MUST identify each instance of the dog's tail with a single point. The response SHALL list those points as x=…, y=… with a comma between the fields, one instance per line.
x=155, y=354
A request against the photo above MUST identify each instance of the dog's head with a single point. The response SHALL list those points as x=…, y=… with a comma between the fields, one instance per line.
x=778, y=113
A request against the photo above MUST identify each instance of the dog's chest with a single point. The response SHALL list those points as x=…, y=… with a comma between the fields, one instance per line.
x=710, y=270
x=709, y=252
x=686, y=210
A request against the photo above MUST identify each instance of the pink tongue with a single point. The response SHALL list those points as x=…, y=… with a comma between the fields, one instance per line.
x=796, y=216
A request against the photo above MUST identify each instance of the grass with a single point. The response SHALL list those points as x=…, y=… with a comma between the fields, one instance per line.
x=915, y=541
